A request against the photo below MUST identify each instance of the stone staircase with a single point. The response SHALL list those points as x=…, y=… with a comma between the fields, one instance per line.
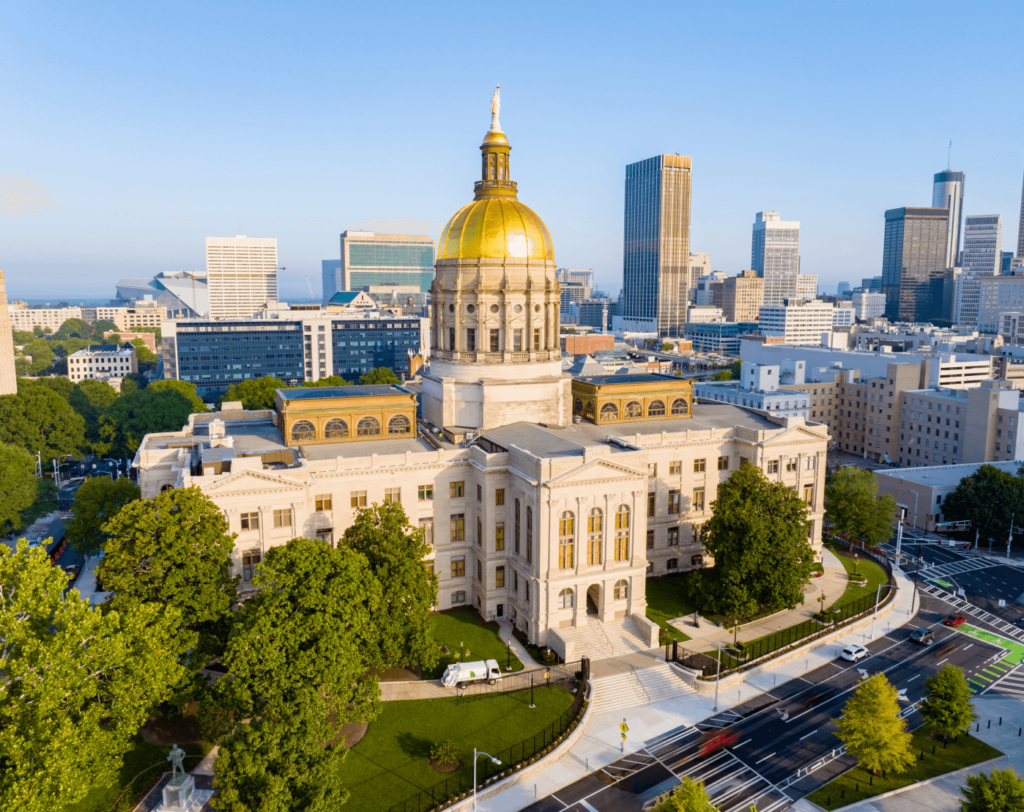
x=638, y=686
x=599, y=640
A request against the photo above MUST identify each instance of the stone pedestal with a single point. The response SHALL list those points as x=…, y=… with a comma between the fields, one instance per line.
x=181, y=795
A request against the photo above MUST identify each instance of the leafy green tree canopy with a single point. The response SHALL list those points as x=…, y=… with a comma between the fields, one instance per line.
x=23, y=336
x=145, y=412
x=852, y=505
x=18, y=485
x=331, y=380
x=758, y=535
x=380, y=375
x=989, y=498
x=947, y=704
x=255, y=393
x=38, y=419
x=99, y=499
x=143, y=353
x=997, y=791
x=395, y=551
x=78, y=683
x=723, y=375
x=689, y=796
x=185, y=388
x=871, y=729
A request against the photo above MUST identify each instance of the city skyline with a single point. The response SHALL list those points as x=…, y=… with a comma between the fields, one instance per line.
x=109, y=134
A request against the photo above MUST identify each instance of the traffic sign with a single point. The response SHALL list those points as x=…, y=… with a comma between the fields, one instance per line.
x=624, y=728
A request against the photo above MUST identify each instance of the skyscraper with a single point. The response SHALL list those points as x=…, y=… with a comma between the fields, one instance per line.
x=8, y=375
x=982, y=257
x=1019, y=259
x=775, y=255
x=241, y=275
x=948, y=193
x=656, y=245
x=914, y=263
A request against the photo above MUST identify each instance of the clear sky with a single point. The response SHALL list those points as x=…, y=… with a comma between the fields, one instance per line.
x=149, y=126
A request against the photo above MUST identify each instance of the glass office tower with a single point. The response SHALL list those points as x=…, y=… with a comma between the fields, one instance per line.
x=981, y=257
x=775, y=255
x=914, y=263
x=948, y=193
x=369, y=259
x=656, y=245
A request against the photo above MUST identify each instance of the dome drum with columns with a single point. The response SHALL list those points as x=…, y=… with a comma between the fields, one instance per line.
x=495, y=309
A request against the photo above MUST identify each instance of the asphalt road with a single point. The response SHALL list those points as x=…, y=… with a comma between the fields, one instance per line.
x=751, y=754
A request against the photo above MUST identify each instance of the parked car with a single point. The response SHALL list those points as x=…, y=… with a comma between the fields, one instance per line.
x=954, y=620
x=459, y=675
x=922, y=636
x=854, y=653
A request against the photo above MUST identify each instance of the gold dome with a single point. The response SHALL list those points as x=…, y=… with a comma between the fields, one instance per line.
x=495, y=225
x=495, y=228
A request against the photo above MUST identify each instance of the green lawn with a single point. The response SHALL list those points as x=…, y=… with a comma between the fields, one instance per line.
x=853, y=786
x=390, y=764
x=865, y=568
x=667, y=600
x=462, y=630
x=141, y=756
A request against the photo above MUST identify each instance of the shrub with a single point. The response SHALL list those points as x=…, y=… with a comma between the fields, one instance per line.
x=446, y=752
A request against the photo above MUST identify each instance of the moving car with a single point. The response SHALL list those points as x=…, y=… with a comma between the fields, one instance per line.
x=954, y=620
x=459, y=675
x=854, y=653
x=923, y=636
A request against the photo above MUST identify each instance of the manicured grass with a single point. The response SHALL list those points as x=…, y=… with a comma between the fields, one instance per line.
x=391, y=764
x=478, y=641
x=667, y=600
x=141, y=756
x=853, y=786
x=866, y=569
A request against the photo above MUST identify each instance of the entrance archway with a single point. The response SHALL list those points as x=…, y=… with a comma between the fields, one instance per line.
x=594, y=599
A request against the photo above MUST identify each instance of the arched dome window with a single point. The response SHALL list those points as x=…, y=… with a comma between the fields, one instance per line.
x=609, y=412
x=399, y=424
x=565, y=598
x=303, y=431
x=634, y=410
x=680, y=406
x=336, y=429
x=656, y=408
x=621, y=591
x=368, y=427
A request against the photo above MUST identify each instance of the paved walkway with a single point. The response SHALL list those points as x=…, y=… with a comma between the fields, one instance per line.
x=833, y=583
x=599, y=744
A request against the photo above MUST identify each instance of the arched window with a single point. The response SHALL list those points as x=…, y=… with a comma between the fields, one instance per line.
x=565, y=599
x=165, y=488
x=656, y=408
x=697, y=561
x=621, y=591
x=368, y=427
x=622, y=533
x=634, y=410
x=517, y=527
x=399, y=424
x=595, y=535
x=589, y=412
x=680, y=406
x=577, y=407
x=303, y=431
x=609, y=412
x=336, y=429
x=529, y=534
x=673, y=564
x=566, y=540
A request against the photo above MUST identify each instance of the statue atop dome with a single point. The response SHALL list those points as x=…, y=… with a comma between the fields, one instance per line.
x=495, y=109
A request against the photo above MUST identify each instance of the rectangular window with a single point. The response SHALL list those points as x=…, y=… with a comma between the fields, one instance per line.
x=471, y=339
x=698, y=499
x=517, y=340
x=723, y=463
x=250, y=521
x=358, y=499
x=499, y=536
x=651, y=503
x=283, y=517
x=699, y=466
x=428, y=531
x=791, y=464
x=459, y=566
x=430, y=567
x=426, y=493
x=650, y=539
x=479, y=570
x=673, y=537
x=494, y=341
x=323, y=502
x=536, y=339
x=675, y=468
x=808, y=494
x=457, y=490
x=459, y=597
x=673, y=501
x=392, y=495
x=479, y=532
x=250, y=560
x=479, y=493
x=810, y=463
x=451, y=339
x=499, y=496
x=652, y=469
x=499, y=577
x=458, y=527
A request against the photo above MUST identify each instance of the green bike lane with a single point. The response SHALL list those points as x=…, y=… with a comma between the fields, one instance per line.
x=992, y=671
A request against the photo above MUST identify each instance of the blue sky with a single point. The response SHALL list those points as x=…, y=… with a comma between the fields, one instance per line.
x=156, y=125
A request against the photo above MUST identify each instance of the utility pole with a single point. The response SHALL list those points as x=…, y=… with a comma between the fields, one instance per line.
x=918, y=570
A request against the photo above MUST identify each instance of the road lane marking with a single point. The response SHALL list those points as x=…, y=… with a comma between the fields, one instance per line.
x=765, y=758
x=945, y=661
x=808, y=735
x=748, y=741
x=913, y=678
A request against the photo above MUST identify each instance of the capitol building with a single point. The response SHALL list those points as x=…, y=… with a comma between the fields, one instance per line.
x=547, y=501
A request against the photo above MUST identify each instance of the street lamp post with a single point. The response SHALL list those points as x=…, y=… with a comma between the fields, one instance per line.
x=476, y=755
x=718, y=672
x=508, y=662
x=878, y=595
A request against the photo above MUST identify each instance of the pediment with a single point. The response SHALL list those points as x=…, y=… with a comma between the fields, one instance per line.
x=596, y=472
x=252, y=483
x=796, y=434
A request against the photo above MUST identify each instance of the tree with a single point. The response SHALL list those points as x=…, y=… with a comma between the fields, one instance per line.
x=38, y=419
x=395, y=551
x=23, y=336
x=331, y=380
x=279, y=766
x=18, y=485
x=947, y=705
x=185, y=388
x=255, y=393
x=143, y=353
x=758, y=535
x=78, y=683
x=302, y=645
x=174, y=550
x=852, y=505
x=723, y=375
x=92, y=399
x=667, y=346
x=98, y=500
x=997, y=791
x=380, y=376
x=689, y=796
x=871, y=729
x=62, y=386
x=736, y=369
x=74, y=327
x=146, y=412
x=989, y=498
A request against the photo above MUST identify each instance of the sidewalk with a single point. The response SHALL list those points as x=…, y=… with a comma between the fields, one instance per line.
x=833, y=583
x=599, y=744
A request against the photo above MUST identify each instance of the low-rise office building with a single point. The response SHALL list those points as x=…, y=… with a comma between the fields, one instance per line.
x=759, y=388
x=103, y=362
x=27, y=318
x=797, y=322
x=720, y=337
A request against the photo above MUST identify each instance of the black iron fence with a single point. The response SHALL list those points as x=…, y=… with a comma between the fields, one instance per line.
x=460, y=784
